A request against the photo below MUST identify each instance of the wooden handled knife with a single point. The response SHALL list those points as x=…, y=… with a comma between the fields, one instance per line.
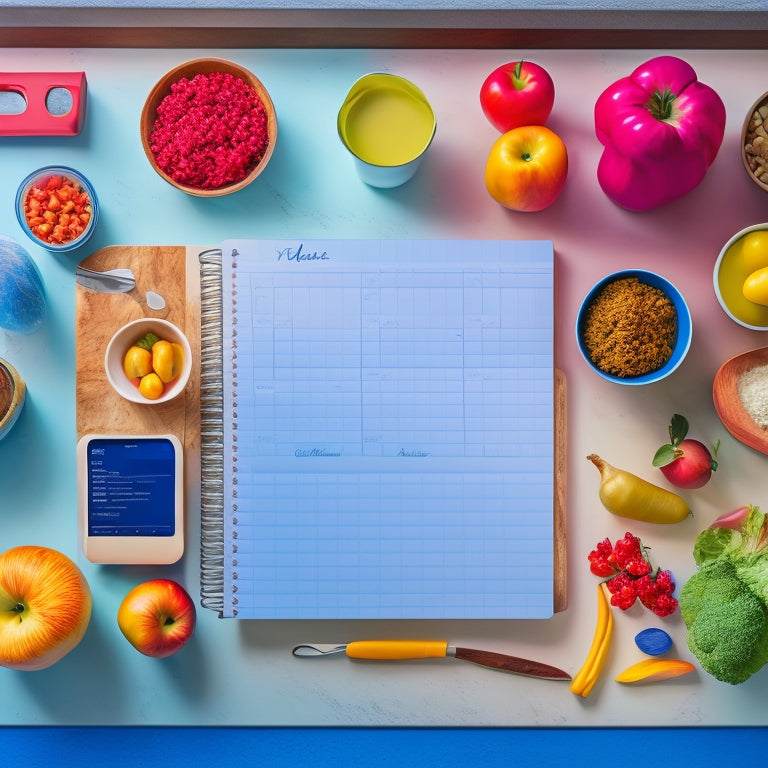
x=423, y=649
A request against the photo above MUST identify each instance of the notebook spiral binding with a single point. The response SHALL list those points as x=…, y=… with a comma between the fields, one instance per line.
x=211, y=433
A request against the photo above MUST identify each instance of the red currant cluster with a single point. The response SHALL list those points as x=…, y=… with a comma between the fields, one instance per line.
x=630, y=576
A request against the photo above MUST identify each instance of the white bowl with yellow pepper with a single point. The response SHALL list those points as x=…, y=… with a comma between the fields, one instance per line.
x=148, y=361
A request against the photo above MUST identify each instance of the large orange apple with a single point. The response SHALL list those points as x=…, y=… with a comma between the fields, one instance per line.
x=527, y=168
x=45, y=607
x=157, y=617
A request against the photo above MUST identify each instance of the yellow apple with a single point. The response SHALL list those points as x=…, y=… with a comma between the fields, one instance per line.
x=45, y=607
x=157, y=617
x=527, y=168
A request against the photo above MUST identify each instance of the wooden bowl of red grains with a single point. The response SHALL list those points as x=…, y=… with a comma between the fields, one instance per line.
x=208, y=127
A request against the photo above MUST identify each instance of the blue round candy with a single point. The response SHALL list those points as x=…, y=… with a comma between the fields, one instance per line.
x=22, y=296
x=653, y=641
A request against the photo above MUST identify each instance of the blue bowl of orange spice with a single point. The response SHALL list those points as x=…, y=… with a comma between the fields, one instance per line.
x=634, y=327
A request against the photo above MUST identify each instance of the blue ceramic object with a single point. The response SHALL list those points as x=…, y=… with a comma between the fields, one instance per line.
x=22, y=295
x=653, y=641
x=684, y=326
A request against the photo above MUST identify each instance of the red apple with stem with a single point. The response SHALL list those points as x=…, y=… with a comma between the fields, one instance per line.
x=157, y=617
x=45, y=607
x=684, y=462
x=517, y=93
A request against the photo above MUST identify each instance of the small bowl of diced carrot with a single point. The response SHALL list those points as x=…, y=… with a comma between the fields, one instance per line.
x=57, y=208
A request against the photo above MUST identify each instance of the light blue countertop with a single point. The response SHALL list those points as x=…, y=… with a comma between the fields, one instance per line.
x=243, y=674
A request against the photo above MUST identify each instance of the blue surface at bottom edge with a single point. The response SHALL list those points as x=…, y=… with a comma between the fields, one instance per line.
x=138, y=746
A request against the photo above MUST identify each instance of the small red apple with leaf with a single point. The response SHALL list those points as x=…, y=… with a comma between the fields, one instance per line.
x=684, y=462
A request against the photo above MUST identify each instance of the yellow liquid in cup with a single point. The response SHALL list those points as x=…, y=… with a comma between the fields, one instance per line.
x=388, y=126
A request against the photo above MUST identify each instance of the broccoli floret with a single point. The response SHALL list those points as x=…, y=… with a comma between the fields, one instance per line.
x=724, y=605
x=717, y=583
x=727, y=624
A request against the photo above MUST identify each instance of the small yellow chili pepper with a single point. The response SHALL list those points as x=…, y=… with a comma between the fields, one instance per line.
x=163, y=360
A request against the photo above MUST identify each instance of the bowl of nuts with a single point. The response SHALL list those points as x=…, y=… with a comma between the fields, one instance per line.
x=754, y=142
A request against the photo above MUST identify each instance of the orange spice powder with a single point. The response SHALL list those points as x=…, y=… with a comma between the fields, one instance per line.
x=630, y=328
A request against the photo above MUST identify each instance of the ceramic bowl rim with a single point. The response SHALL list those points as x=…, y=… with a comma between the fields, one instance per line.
x=18, y=397
x=684, y=325
x=715, y=272
x=80, y=178
x=120, y=382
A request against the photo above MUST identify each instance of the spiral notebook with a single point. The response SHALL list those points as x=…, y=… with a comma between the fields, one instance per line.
x=377, y=429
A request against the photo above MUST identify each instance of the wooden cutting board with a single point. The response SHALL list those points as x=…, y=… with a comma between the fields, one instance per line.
x=173, y=272
x=164, y=270
x=560, y=594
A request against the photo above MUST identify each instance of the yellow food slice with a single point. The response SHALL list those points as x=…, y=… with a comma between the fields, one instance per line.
x=652, y=670
x=754, y=249
x=755, y=288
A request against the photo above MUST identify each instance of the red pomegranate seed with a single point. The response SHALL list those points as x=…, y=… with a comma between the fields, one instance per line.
x=210, y=131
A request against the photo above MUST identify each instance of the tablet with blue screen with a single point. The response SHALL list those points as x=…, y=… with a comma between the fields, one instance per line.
x=130, y=492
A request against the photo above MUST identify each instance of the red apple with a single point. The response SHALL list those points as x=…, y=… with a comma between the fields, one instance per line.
x=157, y=617
x=527, y=168
x=684, y=462
x=45, y=607
x=517, y=93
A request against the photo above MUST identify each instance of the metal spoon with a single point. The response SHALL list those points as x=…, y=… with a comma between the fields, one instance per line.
x=120, y=280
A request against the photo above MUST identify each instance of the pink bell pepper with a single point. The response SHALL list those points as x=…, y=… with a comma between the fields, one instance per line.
x=661, y=130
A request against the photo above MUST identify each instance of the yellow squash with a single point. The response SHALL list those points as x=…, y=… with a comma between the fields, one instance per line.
x=627, y=495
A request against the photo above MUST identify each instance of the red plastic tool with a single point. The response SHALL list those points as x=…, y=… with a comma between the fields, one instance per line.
x=36, y=119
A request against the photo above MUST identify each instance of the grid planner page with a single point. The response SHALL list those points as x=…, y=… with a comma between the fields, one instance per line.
x=388, y=428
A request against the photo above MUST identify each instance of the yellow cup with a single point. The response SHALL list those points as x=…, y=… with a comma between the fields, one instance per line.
x=387, y=124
